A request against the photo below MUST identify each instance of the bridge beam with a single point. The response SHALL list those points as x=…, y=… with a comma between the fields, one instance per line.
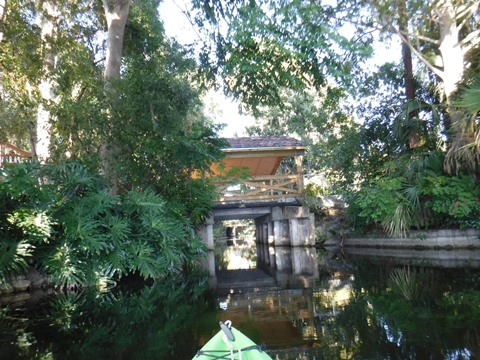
x=278, y=225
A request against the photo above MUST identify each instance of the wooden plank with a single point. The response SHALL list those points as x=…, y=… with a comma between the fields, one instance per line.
x=259, y=178
x=261, y=188
x=257, y=197
x=265, y=187
x=277, y=187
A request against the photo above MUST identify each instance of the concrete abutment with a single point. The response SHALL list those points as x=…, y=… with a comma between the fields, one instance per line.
x=278, y=225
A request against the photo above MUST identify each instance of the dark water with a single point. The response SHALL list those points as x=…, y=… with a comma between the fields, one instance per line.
x=301, y=303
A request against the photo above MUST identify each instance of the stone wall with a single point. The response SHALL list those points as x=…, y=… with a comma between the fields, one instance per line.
x=434, y=239
x=25, y=287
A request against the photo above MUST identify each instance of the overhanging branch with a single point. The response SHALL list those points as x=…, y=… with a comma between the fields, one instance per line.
x=427, y=39
x=436, y=71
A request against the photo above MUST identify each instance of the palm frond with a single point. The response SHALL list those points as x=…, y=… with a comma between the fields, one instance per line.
x=470, y=97
x=399, y=222
x=465, y=147
x=405, y=282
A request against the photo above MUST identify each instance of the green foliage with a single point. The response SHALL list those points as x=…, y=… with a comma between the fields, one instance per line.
x=164, y=137
x=314, y=190
x=269, y=46
x=452, y=197
x=463, y=310
x=13, y=257
x=74, y=228
x=312, y=194
x=380, y=200
x=464, y=152
x=79, y=233
x=421, y=200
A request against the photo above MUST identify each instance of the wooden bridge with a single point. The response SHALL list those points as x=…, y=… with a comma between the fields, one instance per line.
x=253, y=184
x=251, y=171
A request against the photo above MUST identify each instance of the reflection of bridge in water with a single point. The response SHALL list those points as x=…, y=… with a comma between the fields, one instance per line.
x=279, y=295
x=235, y=268
x=296, y=311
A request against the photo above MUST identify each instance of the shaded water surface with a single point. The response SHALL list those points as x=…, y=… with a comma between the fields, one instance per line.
x=301, y=303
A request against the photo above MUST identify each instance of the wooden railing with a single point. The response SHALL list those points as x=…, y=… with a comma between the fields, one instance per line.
x=260, y=188
x=12, y=155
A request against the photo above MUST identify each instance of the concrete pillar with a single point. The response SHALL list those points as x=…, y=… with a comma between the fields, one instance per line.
x=271, y=255
x=293, y=225
x=205, y=231
x=270, y=236
x=304, y=261
x=209, y=263
x=281, y=233
x=262, y=255
x=301, y=232
x=280, y=227
x=260, y=236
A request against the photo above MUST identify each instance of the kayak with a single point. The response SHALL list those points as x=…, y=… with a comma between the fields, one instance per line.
x=231, y=344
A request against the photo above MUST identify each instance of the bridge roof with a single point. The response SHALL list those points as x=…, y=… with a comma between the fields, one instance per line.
x=261, y=155
x=12, y=154
x=274, y=142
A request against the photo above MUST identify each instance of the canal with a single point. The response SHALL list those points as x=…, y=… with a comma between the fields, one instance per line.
x=299, y=303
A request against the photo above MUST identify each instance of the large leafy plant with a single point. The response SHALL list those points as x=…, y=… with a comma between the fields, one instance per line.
x=454, y=199
x=79, y=233
x=398, y=204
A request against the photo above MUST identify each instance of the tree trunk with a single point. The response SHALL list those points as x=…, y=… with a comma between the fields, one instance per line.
x=453, y=61
x=3, y=10
x=116, y=14
x=44, y=124
x=460, y=152
x=413, y=135
x=451, y=50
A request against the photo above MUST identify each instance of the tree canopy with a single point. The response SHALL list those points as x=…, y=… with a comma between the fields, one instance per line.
x=89, y=96
x=302, y=68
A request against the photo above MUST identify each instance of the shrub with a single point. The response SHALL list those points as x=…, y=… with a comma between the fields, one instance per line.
x=453, y=199
x=76, y=231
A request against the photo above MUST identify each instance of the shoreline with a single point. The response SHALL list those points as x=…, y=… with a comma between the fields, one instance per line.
x=448, y=239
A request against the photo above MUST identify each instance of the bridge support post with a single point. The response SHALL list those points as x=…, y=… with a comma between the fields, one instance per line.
x=205, y=231
x=280, y=226
x=287, y=226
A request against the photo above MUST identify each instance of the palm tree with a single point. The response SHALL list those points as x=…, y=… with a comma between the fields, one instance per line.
x=465, y=149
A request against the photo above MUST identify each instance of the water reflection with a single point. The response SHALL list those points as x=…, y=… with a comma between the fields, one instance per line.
x=344, y=304
x=156, y=322
x=301, y=303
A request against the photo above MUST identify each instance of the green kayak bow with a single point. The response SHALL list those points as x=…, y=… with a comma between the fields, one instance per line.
x=230, y=344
